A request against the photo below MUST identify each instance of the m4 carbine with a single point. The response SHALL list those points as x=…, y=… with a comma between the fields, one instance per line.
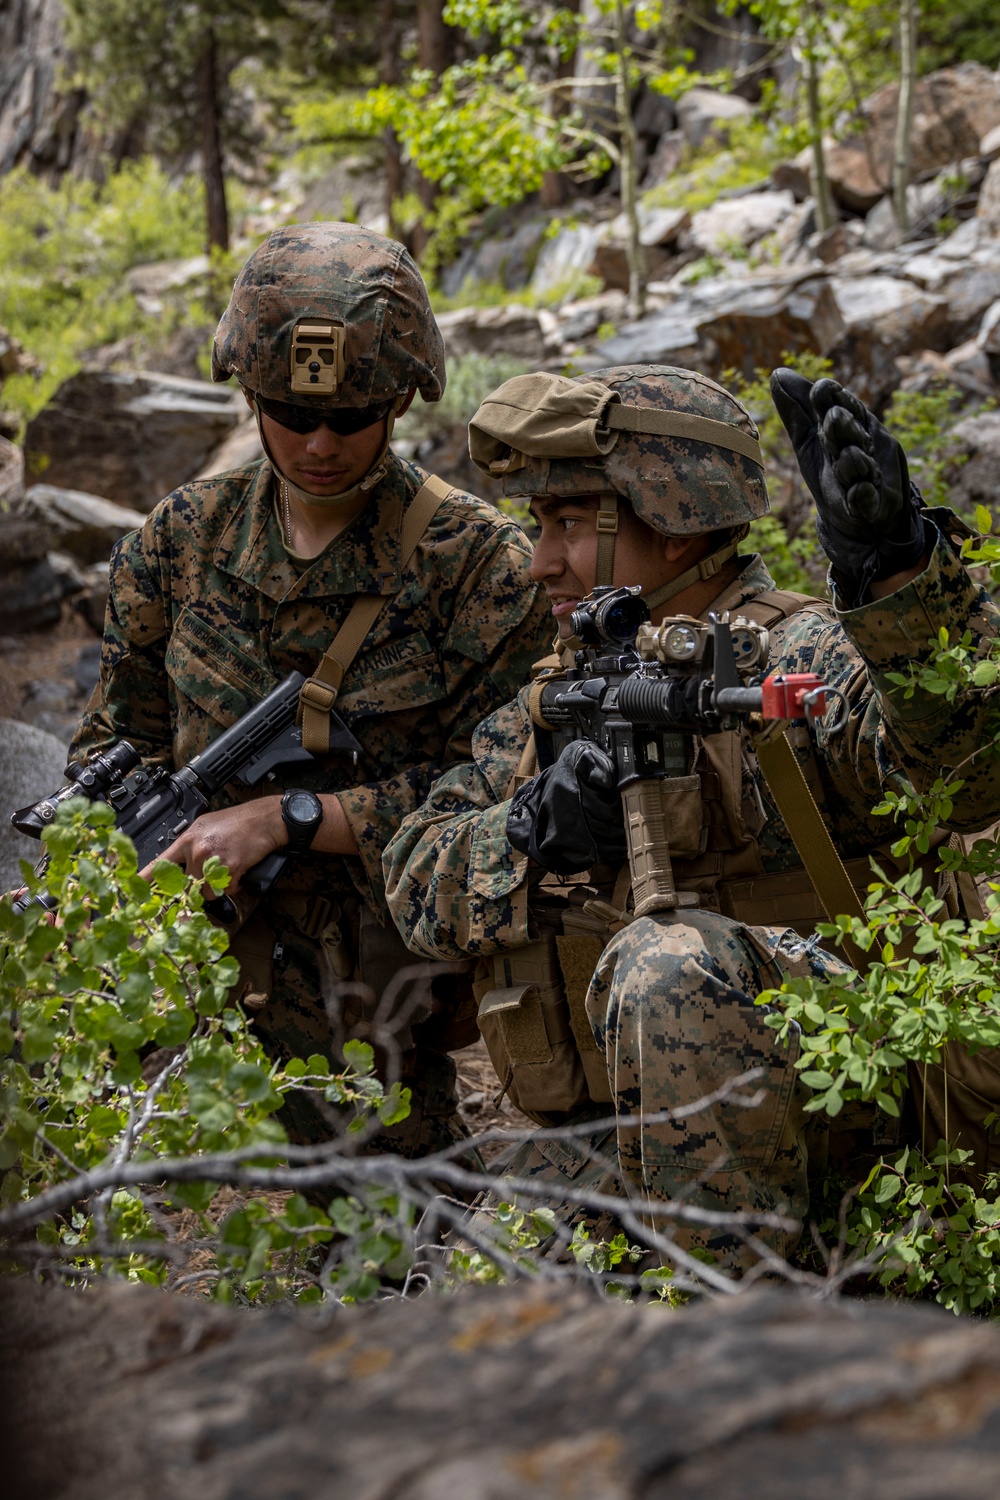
x=154, y=807
x=643, y=693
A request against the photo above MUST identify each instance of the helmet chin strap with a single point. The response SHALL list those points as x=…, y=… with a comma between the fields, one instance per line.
x=706, y=568
x=366, y=483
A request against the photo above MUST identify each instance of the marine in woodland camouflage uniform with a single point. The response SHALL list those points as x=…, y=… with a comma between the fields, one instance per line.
x=671, y=999
x=210, y=608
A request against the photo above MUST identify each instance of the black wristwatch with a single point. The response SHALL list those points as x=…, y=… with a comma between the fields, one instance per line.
x=302, y=813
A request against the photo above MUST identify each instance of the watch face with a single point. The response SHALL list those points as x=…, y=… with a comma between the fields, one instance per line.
x=300, y=807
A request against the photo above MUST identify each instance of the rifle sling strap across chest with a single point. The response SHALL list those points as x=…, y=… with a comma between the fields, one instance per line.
x=319, y=693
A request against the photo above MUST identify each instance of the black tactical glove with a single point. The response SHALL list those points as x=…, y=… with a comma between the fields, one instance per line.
x=570, y=816
x=868, y=513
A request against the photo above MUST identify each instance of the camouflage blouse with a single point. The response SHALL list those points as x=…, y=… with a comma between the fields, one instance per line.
x=455, y=884
x=208, y=612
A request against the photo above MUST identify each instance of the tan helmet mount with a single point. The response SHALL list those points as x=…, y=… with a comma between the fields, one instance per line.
x=317, y=358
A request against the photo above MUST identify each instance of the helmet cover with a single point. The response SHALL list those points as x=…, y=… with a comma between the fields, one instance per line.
x=341, y=275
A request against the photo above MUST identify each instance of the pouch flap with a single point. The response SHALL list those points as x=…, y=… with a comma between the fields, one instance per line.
x=509, y=998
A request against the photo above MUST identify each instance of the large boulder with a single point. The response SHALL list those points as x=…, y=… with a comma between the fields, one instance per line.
x=39, y=109
x=564, y=258
x=85, y=526
x=513, y=330
x=760, y=325
x=884, y=317
x=659, y=230
x=31, y=766
x=31, y=591
x=704, y=114
x=669, y=337
x=241, y=447
x=976, y=445
x=740, y=221
x=953, y=109
x=527, y=1392
x=988, y=204
x=129, y=437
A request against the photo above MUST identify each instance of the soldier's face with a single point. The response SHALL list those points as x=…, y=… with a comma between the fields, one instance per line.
x=565, y=556
x=322, y=462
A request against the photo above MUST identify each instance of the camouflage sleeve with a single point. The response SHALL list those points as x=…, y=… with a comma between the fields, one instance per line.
x=130, y=702
x=890, y=737
x=500, y=626
x=454, y=884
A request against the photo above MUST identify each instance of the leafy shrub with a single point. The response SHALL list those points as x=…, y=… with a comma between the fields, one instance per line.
x=933, y=981
x=119, y=1043
x=64, y=251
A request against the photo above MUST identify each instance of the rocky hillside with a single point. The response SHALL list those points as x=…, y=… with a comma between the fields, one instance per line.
x=740, y=280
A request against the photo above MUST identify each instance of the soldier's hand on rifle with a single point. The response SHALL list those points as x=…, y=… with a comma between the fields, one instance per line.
x=569, y=817
x=868, y=513
x=239, y=836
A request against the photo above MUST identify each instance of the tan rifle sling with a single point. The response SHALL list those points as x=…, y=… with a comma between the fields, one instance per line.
x=319, y=693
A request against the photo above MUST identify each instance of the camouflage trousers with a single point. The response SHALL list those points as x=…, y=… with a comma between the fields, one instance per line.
x=300, y=1004
x=671, y=1004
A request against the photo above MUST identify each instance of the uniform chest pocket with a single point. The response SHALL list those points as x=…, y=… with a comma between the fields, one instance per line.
x=393, y=679
x=211, y=671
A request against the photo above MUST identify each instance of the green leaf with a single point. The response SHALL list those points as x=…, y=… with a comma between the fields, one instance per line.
x=168, y=877
x=360, y=1056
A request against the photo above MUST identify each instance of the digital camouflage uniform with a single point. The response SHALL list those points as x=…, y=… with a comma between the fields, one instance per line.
x=670, y=1001
x=208, y=612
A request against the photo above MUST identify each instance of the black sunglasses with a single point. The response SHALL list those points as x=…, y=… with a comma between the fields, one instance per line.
x=343, y=420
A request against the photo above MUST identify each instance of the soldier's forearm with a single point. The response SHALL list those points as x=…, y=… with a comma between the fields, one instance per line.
x=881, y=588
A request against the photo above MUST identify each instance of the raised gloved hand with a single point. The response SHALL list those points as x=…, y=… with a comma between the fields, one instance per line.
x=569, y=817
x=867, y=510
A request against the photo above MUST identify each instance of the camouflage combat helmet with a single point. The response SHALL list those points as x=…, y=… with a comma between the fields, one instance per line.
x=331, y=314
x=677, y=447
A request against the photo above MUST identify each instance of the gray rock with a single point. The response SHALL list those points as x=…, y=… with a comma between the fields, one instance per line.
x=666, y=159
x=761, y=324
x=666, y=338
x=129, y=437
x=83, y=525
x=91, y=602
x=11, y=474
x=31, y=595
x=513, y=330
x=988, y=207
x=974, y=480
x=704, y=113
x=241, y=447
x=989, y=146
x=793, y=175
x=524, y=1392
x=740, y=221
x=39, y=114
x=157, y=277
x=988, y=337
x=953, y=109
x=87, y=671
x=885, y=317
x=567, y=255
x=31, y=765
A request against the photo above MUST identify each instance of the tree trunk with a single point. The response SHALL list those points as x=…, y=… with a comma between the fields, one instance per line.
x=389, y=73
x=555, y=185
x=627, y=168
x=435, y=50
x=904, y=113
x=820, y=183
x=211, y=147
